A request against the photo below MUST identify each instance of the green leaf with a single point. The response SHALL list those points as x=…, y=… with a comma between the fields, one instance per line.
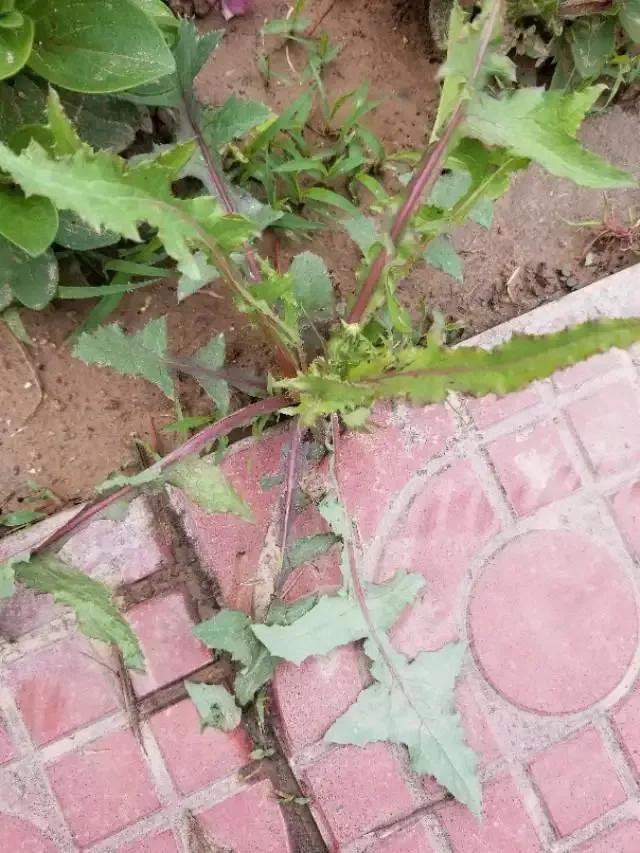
x=91, y=601
x=592, y=41
x=211, y=356
x=7, y=582
x=32, y=281
x=542, y=126
x=29, y=223
x=189, y=284
x=235, y=118
x=190, y=53
x=441, y=255
x=103, y=121
x=11, y=316
x=22, y=102
x=216, y=706
x=629, y=17
x=363, y=231
x=308, y=548
x=426, y=374
x=482, y=213
x=230, y=631
x=74, y=233
x=311, y=284
x=150, y=476
x=15, y=46
x=107, y=193
x=20, y=519
x=206, y=485
x=331, y=199
x=98, y=47
x=142, y=353
x=465, y=45
x=337, y=620
x=413, y=704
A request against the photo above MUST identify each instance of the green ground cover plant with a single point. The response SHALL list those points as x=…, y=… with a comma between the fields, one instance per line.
x=332, y=364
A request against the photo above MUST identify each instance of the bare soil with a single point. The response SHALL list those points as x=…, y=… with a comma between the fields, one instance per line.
x=84, y=425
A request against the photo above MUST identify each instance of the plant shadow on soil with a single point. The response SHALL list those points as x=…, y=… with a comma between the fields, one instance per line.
x=84, y=427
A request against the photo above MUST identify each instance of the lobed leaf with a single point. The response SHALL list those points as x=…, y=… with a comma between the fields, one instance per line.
x=412, y=704
x=92, y=602
x=337, y=620
x=427, y=374
x=203, y=481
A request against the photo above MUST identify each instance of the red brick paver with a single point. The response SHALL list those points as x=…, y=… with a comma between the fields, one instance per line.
x=522, y=515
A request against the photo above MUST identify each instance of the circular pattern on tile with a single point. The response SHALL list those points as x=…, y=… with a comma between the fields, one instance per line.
x=16, y=834
x=553, y=621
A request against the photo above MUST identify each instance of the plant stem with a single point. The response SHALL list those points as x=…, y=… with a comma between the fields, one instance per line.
x=425, y=177
x=192, y=445
x=218, y=183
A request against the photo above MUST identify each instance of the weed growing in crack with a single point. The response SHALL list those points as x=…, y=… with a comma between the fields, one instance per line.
x=331, y=363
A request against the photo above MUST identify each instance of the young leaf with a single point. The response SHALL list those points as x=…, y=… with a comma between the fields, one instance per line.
x=413, y=704
x=311, y=284
x=211, y=357
x=363, y=232
x=337, y=620
x=189, y=284
x=426, y=374
x=29, y=223
x=91, y=601
x=20, y=518
x=441, y=255
x=32, y=281
x=206, y=485
x=542, y=126
x=216, y=706
x=143, y=353
x=150, y=476
x=235, y=118
x=75, y=41
x=190, y=54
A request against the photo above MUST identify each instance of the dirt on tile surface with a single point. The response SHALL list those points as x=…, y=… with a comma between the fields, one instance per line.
x=83, y=427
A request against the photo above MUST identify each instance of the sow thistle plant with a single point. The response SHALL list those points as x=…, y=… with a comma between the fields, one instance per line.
x=484, y=132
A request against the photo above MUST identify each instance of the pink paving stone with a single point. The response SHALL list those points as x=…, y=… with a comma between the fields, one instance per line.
x=25, y=611
x=577, y=781
x=310, y=697
x=164, y=842
x=120, y=551
x=568, y=622
x=489, y=410
x=411, y=840
x=476, y=729
x=229, y=547
x=625, y=838
x=103, y=787
x=533, y=467
x=357, y=789
x=592, y=368
x=608, y=424
x=249, y=822
x=321, y=575
x=505, y=828
x=439, y=536
x=61, y=688
x=195, y=756
x=20, y=836
x=626, y=506
x=627, y=720
x=165, y=629
x=7, y=751
x=409, y=438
